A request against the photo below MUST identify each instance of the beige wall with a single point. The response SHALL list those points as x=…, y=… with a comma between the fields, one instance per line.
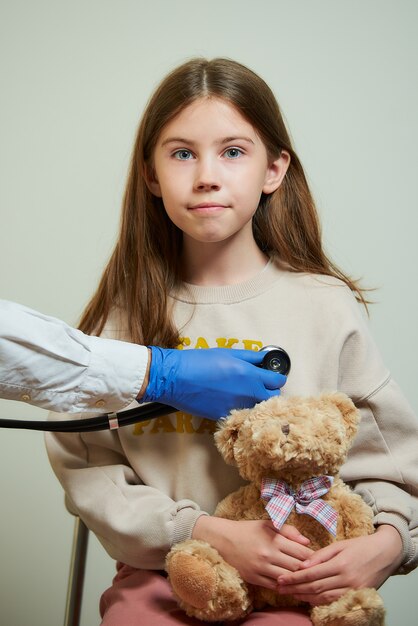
x=74, y=79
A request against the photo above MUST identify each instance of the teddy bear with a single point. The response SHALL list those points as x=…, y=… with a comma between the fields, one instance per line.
x=290, y=450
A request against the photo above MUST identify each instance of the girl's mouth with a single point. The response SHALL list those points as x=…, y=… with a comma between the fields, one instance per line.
x=207, y=207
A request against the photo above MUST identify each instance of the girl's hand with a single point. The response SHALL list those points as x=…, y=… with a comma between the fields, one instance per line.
x=255, y=548
x=350, y=564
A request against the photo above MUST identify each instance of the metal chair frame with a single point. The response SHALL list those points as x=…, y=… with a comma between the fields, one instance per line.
x=76, y=574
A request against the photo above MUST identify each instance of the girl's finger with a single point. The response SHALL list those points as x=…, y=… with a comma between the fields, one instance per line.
x=322, y=598
x=315, y=587
x=266, y=581
x=292, y=548
x=286, y=563
x=323, y=555
x=303, y=576
x=272, y=572
x=290, y=532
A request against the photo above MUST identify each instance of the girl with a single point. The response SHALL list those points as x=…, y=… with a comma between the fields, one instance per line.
x=220, y=240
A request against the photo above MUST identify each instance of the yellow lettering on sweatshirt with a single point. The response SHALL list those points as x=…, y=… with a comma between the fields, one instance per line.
x=162, y=424
x=184, y=341
x=184, y=423
x=252, y=344
x=223, y=342
x=206, y=426
x=159, y=424
x=201, y=343
x=139, y=427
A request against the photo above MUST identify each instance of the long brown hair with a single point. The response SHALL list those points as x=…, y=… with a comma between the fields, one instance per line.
x=145, y=264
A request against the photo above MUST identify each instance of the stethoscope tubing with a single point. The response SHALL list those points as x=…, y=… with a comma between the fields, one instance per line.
x=106, y=421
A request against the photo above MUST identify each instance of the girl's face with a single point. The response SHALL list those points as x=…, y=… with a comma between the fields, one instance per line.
x=210, y=169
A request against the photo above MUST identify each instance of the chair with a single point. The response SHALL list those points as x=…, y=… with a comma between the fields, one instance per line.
x=76, y=574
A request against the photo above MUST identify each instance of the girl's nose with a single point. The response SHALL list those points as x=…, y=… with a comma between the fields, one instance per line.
x=207, y=186
x=207, y=177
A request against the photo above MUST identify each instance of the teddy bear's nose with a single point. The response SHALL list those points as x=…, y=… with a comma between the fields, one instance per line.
x=285, y=429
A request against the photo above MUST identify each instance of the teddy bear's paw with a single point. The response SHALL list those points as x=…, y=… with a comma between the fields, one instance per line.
x=358, y=607
x=205, y=585
x=192, y=579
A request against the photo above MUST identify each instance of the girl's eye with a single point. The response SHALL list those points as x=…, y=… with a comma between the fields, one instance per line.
x=182, y=155
x=233, y=153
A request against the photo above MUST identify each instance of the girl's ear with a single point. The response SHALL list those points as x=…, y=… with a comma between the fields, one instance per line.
x=152, y=181
x=276, y=171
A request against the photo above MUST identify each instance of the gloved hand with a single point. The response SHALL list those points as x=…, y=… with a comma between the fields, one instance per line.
x=211, y=382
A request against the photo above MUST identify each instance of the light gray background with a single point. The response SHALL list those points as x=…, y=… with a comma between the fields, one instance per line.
x=74, y=79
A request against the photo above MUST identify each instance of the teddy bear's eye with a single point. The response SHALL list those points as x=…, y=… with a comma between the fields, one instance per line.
x=285, y=429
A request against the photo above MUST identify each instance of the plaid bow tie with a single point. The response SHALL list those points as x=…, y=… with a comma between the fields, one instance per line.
x=281, y=499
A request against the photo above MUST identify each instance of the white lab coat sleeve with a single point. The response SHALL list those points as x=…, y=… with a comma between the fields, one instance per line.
x=45, y=362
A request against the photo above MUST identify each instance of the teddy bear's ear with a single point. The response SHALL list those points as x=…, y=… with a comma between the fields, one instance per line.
x=349, y=412
x=227, y=433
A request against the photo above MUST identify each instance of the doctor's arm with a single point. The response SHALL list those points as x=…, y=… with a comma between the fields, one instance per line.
x=45, y=362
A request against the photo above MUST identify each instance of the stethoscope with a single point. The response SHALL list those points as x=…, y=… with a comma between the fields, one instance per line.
x=276, y=360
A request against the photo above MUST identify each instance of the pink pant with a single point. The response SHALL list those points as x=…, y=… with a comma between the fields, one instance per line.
x=143, y=598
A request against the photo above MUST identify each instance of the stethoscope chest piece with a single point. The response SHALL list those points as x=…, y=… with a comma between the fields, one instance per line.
x=276, y=360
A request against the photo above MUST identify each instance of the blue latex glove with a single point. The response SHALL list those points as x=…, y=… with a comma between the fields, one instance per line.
x=210, y=383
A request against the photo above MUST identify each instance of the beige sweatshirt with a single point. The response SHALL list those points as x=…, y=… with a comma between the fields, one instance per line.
x=142, y=487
